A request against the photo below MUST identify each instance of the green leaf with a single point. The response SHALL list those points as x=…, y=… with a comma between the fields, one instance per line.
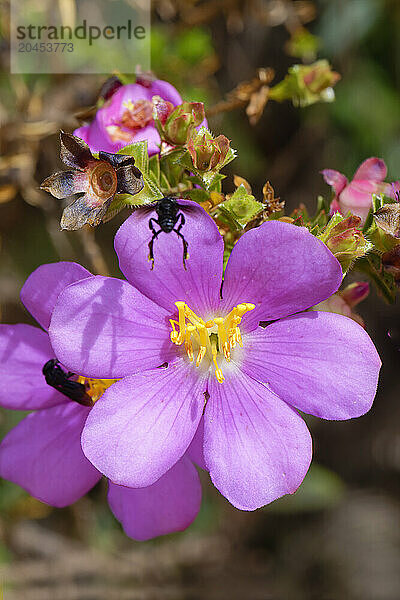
x=154, y=167
x=184, y=159
x=198, y=195
x=216, y=184
x=150, y=193
x=335, y=220
x=232, y=154
x=139, y=153
x=241, y=208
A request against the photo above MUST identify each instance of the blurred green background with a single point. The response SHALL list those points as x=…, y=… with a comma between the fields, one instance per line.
x=338, y=537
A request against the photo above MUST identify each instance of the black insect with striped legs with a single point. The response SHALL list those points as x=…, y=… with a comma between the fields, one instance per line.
x=170, y=218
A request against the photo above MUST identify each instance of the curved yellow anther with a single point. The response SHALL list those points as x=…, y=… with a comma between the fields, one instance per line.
x=218, y=373
x=195, y=319
x=200, y=355
x=238, y=337
x=174, y=335
x=188, y=342
x=202, y=331
x=182, y=322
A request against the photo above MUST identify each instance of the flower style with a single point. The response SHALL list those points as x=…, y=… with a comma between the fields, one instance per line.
x=356, y=196
x=127, y=117
x=97, y=179
x=232, y=386
x=43, y=452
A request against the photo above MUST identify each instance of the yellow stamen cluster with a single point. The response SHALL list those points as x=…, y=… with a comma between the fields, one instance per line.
x=95, y=387
x=218, y=335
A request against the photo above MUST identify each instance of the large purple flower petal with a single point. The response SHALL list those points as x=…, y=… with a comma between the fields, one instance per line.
x=168, y=282
x=41, y=289
x=321, y=363
x=169, y=505
x=23, y=352
x=282, y=269
x=43, y=455
x=143, y=424
x=104, y=328
x=256, y=447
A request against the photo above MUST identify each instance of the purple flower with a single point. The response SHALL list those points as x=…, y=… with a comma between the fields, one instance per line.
x=356, y=196
x=127, y=117
x=43, y=452
x=246, y=379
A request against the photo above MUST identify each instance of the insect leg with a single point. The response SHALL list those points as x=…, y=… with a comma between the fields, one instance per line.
x=151, y=243
x=180, y=235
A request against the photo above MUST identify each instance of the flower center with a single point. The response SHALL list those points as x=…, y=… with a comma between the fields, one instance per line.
x=135, y=116
x=218, y=336
x=95, y=388
x=103, y=180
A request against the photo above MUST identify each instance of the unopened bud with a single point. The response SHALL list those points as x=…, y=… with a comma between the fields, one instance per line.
x=207, y=153
x=345, y=240
x=175, y=125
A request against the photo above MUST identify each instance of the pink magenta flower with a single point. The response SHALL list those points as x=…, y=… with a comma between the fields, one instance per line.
x=43, y=453
x=126, y=117
x=356, y=196
x=231, y=387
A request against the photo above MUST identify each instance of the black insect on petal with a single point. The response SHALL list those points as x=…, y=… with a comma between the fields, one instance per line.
x=65, y=183
x=130, y=180
x=170, y=218
x=65, y=383
x=74, y=151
